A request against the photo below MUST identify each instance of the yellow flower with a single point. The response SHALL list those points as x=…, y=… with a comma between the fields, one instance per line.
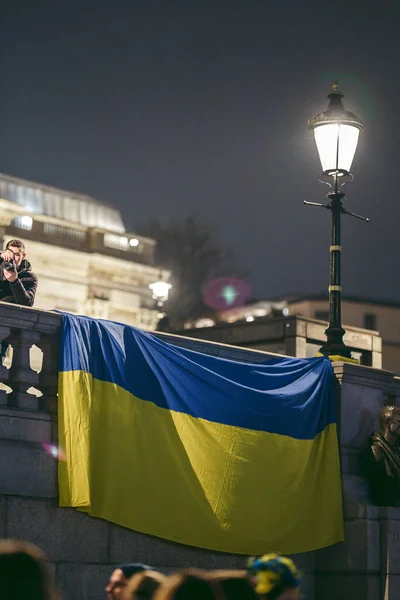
x=266, y=581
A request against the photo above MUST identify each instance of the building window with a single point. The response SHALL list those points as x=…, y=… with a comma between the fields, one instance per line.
x=370, y=321
x=121, y=242
x=77, y=235
x=322, y=315
x=118, y=242
x=23, y=222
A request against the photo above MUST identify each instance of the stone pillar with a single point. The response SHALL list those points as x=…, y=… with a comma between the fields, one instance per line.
x=22, y=377
x=23, y=328
x=376, y=352
x=367, y=565
x=4, y=334
x=48, y=376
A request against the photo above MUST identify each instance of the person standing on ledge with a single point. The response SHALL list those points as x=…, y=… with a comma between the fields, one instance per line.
x=17, y=282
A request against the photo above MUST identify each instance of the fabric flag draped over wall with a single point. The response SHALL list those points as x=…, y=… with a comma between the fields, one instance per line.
x=201, y=450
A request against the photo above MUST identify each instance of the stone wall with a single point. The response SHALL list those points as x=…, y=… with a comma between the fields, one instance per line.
x=293, y=335
x=83, y=550
x=367, y=565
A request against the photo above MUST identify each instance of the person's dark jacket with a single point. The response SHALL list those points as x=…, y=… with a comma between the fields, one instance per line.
x=23, y=289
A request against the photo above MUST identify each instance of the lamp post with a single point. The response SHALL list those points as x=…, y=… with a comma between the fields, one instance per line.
x=336, y=133
x=160, y=290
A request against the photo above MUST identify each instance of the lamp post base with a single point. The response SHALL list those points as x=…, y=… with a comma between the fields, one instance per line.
x=163, y=324
x=334, y=345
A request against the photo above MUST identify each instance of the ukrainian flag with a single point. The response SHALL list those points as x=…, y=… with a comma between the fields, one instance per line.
x=201, y=450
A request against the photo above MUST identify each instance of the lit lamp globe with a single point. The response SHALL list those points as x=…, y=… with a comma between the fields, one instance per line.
x=336, y=134
x=160, y=291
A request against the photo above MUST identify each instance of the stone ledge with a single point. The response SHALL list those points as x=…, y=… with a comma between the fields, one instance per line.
x=25, y=317
x=368, y=376
x=30, y=426
x=212, y=348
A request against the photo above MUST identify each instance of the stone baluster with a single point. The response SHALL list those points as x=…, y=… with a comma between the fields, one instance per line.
x=4, y=334
x=21, y=376
x=48, y=376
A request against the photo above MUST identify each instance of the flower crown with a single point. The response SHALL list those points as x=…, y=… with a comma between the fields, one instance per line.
x=273, y=570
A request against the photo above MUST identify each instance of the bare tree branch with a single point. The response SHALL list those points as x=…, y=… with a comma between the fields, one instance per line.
x=188, y=249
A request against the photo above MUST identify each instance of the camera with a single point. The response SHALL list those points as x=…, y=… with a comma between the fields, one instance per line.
x=8, y=265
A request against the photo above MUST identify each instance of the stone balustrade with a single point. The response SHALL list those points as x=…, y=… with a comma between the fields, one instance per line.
x=84, y=550
x=28, y=375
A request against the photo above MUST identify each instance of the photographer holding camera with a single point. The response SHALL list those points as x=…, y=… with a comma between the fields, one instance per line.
x=17, y=282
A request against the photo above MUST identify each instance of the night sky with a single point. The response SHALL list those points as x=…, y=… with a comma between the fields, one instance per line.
x=170, y=108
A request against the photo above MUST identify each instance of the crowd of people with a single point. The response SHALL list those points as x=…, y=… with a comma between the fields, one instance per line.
x=25, y=574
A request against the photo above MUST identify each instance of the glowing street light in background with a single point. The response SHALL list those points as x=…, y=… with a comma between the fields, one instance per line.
x=160, y=290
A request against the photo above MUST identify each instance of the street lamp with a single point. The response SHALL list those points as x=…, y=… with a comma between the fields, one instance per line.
x=160, y=290
x=336, y=133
